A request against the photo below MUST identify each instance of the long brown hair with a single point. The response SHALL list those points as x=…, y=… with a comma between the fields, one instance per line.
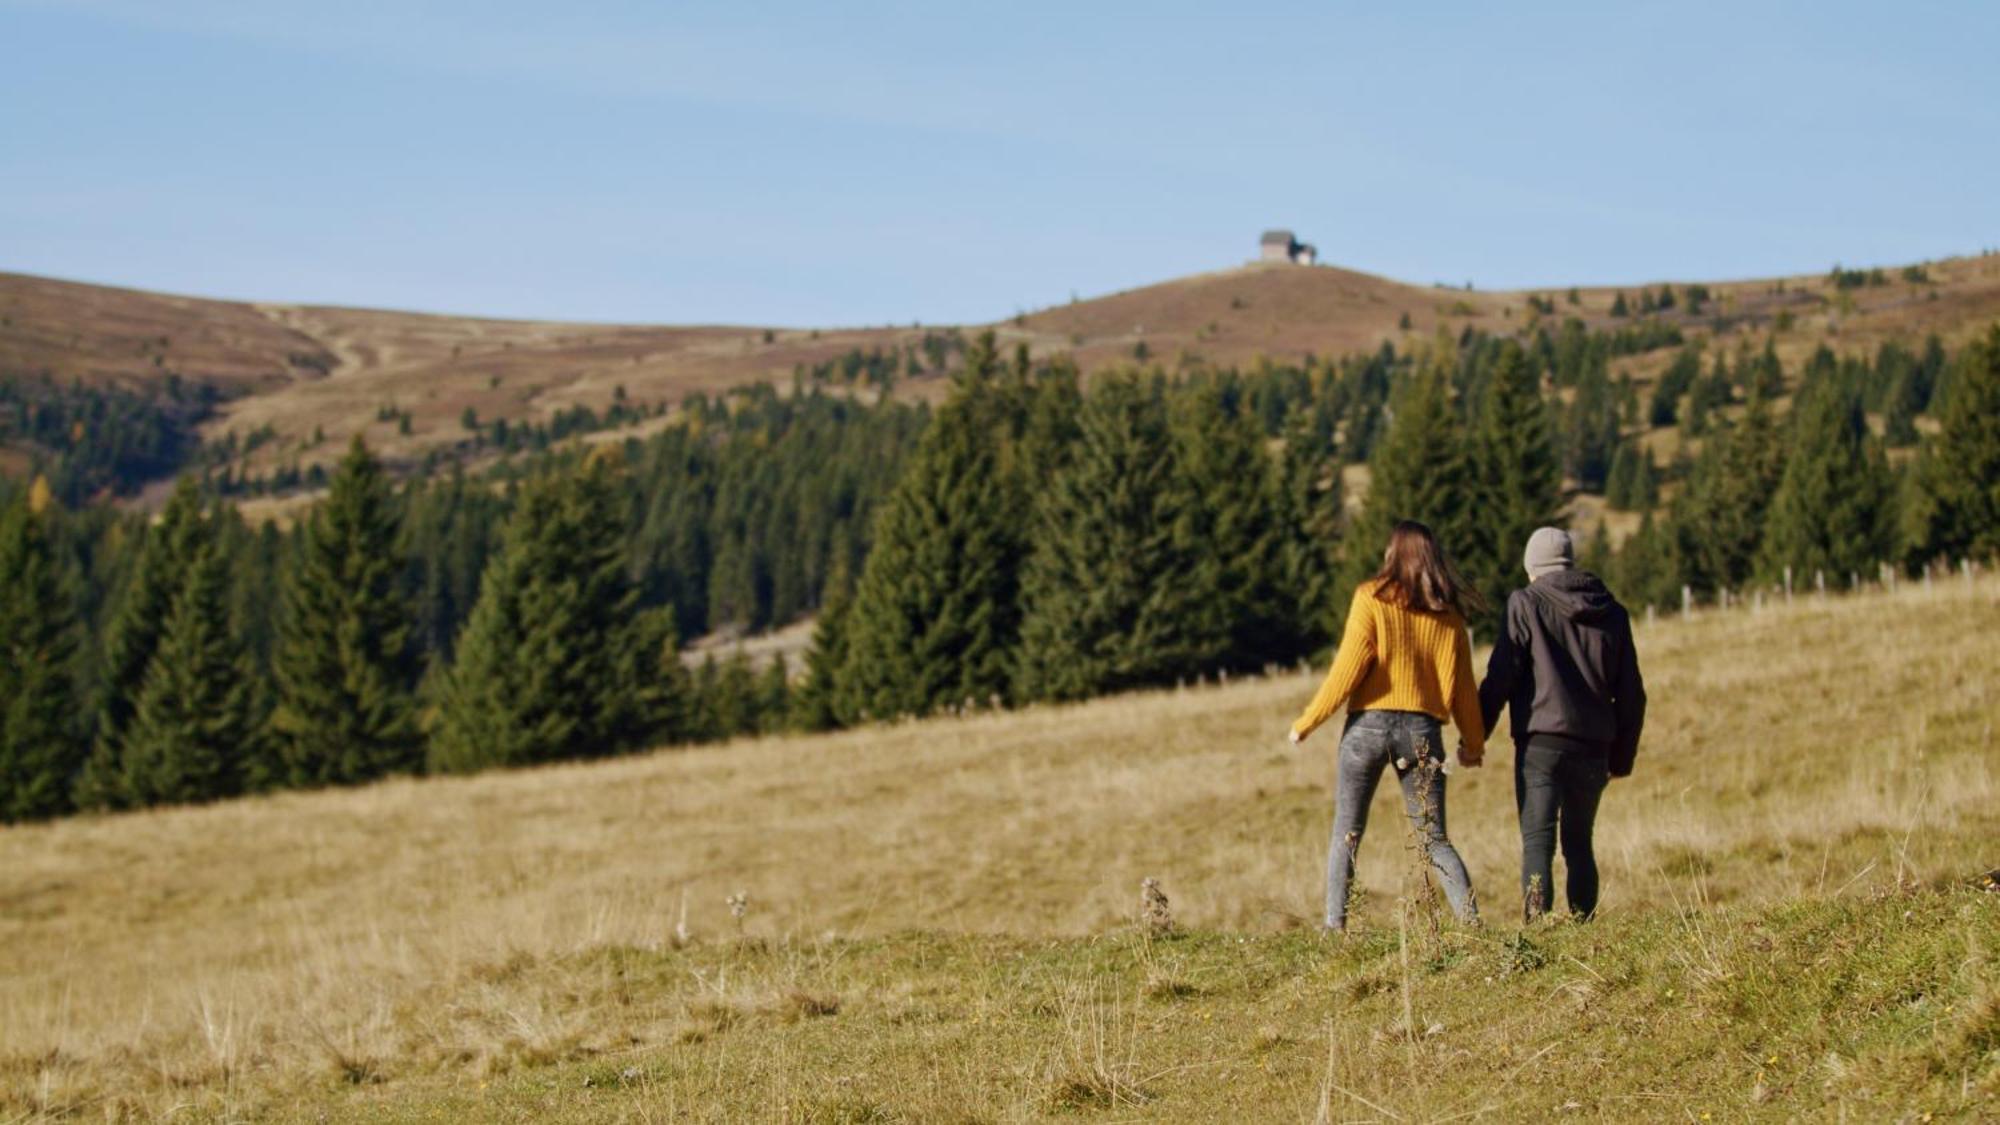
x=1417, y=573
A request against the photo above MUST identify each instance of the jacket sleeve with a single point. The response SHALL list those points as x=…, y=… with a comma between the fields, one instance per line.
x=1629, y=702
x=1464, y=696
x=1350, y=665
x=1502, y=669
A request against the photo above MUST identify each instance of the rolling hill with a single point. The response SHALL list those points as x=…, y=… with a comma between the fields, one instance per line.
x=298, y=370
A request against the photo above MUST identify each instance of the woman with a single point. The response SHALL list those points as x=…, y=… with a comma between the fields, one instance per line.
x=1404, y=666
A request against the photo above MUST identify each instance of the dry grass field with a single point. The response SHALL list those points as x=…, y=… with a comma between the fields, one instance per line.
x=938, y=921
x=300, y=369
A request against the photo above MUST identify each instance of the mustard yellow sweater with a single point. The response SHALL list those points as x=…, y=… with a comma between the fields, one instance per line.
x=1396, y=659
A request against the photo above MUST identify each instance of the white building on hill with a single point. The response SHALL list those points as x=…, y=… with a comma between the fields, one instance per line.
x=1280, y=246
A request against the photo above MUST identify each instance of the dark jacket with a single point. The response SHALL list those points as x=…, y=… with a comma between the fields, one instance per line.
x=1565, y=665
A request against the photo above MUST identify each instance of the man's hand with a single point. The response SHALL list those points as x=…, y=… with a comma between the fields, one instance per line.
x=1468, y=758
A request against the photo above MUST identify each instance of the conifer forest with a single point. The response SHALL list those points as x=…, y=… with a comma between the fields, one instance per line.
x=1037, y=536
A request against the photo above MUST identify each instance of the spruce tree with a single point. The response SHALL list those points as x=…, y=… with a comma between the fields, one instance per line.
x=1646, y=569
x=1764, y=375
x=1709, y=395
x=166, y=556
x=1517, y=475
x=1311, y=518
x=344, y=665
x=1958, y=477
x=557, y=661
x=1679, y=377
x=733, y=698
x=1834, y=507
x=40, y=745
x=1718, y=517
x=816, y=704
x=1105, y=594
x=936, y=613
x=1618, y=483
x=1422, y=470
x=1646, y=481
x=1226, y=528
x=1633, y=485
x=192, y=735
x=1592, y=430
x=774, y=696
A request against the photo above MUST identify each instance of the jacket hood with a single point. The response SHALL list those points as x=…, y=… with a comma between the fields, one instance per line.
x=1576, y=594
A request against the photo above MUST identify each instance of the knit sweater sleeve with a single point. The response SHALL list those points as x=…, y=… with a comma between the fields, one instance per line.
x=1351, y=665
x=1464, y=692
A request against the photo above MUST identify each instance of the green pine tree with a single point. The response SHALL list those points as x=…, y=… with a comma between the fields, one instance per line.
x=936, y=613
x=774, y=696
x=1958, y=478
x=40, y=745
x=1718, y=517
x=1517, y=474
x=1591, y=429
x=1311, y=518
x=1422, y=470
x=1834, y=507
x=1105, y=591
x=166, y=556
x=1633, y=485
x=192, y=736
x=816, y=702
x=1227, y=530
x=1764, y=375
x=556, y=661
x=344, y=665
x=1618, y=483
x=733, y=698
x=1646, y=568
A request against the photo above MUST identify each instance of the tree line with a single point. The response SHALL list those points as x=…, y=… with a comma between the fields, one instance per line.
x=1031, y=539
x=100, y=441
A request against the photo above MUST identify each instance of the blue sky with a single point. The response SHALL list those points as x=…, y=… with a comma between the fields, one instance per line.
x=862, y=163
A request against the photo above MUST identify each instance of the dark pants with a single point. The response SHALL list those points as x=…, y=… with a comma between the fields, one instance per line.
x=1557, y=784
x=1410, y=743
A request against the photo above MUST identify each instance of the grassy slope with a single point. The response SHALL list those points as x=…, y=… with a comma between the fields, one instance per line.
x=308, y=367
x=939, y=920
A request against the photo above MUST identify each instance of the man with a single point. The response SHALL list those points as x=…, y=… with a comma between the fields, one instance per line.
x=1566, y=668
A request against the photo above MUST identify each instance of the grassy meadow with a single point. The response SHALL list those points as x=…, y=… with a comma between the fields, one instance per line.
x=937, y=920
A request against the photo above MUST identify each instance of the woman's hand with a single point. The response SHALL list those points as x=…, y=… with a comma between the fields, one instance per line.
x=1294, y=737
x=1468, y=759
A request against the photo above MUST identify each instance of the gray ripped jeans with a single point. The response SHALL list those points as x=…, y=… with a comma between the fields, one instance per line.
x=1413, y=743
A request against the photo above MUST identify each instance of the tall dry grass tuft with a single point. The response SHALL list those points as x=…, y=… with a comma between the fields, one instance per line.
x=1095, y=1063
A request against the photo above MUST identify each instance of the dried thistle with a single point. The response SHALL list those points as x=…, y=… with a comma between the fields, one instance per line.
x=1156, y=915
x=739, y=905
x=1425, y=898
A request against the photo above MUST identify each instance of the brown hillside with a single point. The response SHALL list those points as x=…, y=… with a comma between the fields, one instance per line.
x=101, y=334
x=1232, y=316
x=297, y=369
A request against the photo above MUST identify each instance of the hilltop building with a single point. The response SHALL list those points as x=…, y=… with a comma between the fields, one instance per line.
x=1280, y=246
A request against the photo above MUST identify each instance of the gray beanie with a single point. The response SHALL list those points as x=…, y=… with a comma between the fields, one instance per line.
x=1549, y=550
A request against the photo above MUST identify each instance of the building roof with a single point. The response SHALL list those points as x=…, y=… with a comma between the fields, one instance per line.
x=1271, y=236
